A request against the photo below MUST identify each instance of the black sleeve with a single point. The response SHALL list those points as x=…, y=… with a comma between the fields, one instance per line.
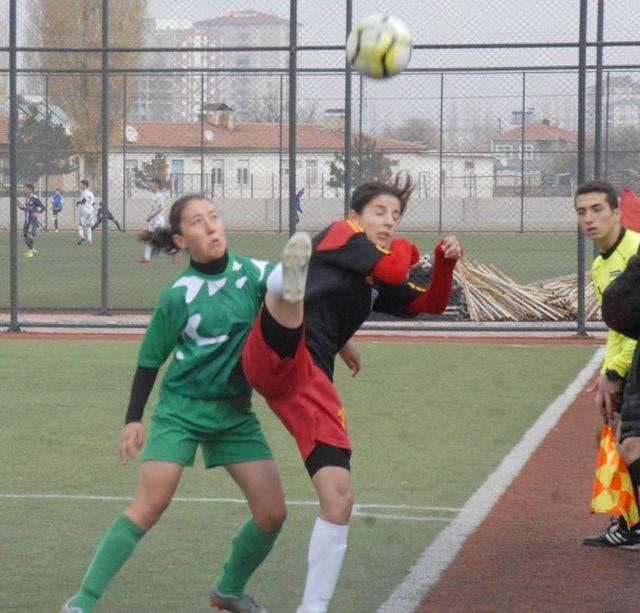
x=358, y=254
x=394, y=299
x=621, y=301
x=141, y=387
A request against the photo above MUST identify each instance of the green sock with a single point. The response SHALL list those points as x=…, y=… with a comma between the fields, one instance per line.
x=114, y=550
x=250, y=547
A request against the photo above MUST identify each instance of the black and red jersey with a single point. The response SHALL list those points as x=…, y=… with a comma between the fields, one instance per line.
x=342, y=290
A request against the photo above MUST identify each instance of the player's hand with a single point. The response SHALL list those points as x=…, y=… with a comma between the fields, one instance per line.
x=607, y=396
x=451, y=248
x=351, y=357
x=131, y=441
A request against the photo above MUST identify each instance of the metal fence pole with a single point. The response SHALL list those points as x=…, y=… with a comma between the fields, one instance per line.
x=606, y=131
x=202, y=132
x=597, y=128
x=280, y=152
x=124, y=152
x=293, y=64
x=522, y=139
x=46, y=152
x=582, y=82
x=347, y=119
x=360, y=93
x=104, y=303
x=440, y=156
x=13, y=166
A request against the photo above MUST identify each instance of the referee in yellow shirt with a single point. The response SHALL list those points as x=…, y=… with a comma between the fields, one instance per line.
x=596, y=204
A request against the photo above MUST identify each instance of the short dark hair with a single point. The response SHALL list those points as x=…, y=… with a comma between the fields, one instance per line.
x=158, y=182
x=364, y=193
x=30, y=186
x=600, y=187
x=84, y=182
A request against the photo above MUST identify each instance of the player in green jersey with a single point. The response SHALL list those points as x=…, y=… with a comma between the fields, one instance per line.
x=203, y=318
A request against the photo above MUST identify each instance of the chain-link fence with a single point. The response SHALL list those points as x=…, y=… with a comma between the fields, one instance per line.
x=505, y=108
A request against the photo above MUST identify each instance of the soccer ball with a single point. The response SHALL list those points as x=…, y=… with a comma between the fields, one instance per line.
x=379, y=46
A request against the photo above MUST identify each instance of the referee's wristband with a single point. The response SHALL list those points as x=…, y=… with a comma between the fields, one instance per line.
x=613, y=375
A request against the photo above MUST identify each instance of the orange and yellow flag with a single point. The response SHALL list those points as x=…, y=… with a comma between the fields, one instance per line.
x=612, y=488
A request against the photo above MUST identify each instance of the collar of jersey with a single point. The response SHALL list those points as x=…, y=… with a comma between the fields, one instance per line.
x=608, y=252
x=215, y=267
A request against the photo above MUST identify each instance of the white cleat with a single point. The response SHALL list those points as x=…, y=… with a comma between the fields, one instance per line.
x=296, y=256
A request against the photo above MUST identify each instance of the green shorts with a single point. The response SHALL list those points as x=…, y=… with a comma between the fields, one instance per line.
x=228, y=431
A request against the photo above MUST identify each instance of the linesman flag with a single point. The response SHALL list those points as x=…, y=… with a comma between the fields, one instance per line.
x=612, y=488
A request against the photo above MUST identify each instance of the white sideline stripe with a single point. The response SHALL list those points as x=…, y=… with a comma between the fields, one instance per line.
x=358, y=509
x=436, y=557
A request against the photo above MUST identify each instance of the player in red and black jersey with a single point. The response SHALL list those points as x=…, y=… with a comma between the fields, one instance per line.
x=356, y=265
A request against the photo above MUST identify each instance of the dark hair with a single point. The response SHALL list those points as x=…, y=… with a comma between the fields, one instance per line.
x=600, y=187
x=162, y=238
x=30, y=186
x=58, y=189
x=158, y=182
x=84, y=182
x=364, y=193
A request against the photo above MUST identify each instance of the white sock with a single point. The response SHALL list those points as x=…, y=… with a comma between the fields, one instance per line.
x=327, y=547
x=89, y=234
x=80, y=232
x=147, y=250
x=275, y=281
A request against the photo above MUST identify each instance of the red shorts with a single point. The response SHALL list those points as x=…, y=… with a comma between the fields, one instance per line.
x=298, y=392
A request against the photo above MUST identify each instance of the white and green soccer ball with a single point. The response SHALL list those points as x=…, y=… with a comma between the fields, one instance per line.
x=379, y=46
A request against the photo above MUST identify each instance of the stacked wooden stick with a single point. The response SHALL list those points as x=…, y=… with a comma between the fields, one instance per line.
x=491, y=295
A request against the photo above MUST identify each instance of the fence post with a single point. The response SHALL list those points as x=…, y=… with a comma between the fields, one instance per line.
x=124, y=151
x=46, y=152
x=606, y=132
x=104, y=305
x=202, y=132
x=293, y=67
x=582, y=82
x=440, y=161
x=522, y=140
x=347, y=118
x=13, y=165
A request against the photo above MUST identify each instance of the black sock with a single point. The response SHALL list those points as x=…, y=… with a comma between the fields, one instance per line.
x=29, y=242
x=284, y=341
x=634, y=473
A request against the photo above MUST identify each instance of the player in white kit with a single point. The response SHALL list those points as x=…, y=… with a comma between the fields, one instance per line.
x=85, y=214
x=155, y=217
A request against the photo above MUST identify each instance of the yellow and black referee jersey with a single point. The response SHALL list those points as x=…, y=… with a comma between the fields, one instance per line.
x=605, y=268
x=610, y=263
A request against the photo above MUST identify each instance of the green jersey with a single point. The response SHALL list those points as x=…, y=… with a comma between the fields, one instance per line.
x=204, y=319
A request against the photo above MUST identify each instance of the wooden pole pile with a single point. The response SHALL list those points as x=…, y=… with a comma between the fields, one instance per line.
x=491, y=295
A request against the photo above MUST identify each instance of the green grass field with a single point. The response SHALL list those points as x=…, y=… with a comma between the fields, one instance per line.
x=66, y=276
x=429, y=423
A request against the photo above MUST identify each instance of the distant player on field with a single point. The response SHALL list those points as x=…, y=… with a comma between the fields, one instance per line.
x=110, y=217
x=32, y=206
x=356, y=265
x=57, y=203
x=85, y=213
x=155, y=217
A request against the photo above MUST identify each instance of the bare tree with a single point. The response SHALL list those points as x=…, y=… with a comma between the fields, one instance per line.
x=72, y=23
x=415, y=130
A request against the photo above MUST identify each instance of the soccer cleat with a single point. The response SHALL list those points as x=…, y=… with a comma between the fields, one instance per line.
x=80, y=240
x=56, y=231
x=615, y=536
x=295, y=265
x=235, y=604
x=67, y=608
x=143, y=261
x=34, y=251
x=28, y=254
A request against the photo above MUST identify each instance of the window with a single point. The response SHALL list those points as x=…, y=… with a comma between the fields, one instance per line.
x=243, y=61
x=312, y=172
x=242, y=172
x=528, y=152
x=217, y=172
x=504, y=152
